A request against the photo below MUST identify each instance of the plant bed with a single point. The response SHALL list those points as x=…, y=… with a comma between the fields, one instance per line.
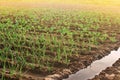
x=53, y=43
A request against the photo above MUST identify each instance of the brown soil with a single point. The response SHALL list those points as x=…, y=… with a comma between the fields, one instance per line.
x=110, y=73
x=79, y=61
x=82, y=61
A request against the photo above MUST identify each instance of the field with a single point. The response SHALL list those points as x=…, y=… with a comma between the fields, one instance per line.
x=37, y=42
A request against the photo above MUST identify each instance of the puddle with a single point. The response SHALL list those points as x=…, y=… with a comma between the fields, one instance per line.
x=96, y=67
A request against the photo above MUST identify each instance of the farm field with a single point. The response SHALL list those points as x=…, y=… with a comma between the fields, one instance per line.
x=37, y=42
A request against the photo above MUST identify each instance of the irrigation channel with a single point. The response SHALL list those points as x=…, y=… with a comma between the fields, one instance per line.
x=96, y=67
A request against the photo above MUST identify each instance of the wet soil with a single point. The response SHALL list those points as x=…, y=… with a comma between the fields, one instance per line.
x=110, y=73
x=96, y=67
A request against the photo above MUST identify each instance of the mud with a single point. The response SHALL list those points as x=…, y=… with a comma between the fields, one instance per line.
x=110, y=73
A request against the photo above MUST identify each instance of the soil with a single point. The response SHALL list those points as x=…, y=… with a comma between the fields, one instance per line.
x=81, y=61
x=110, y=73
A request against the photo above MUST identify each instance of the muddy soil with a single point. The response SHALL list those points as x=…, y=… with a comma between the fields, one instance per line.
x=110, y=73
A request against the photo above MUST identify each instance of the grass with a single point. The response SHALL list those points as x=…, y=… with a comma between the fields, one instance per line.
x=38, y=39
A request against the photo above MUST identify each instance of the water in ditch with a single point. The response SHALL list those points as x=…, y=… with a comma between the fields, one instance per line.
x=96, y=67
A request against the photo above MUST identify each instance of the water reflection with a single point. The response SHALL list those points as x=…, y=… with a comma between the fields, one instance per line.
x=96, y=67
